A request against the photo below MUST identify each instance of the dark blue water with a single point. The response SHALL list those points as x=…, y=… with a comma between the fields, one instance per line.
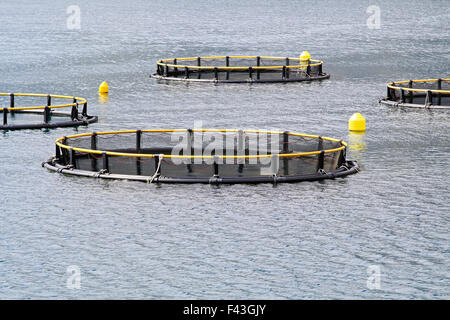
x=295, y=241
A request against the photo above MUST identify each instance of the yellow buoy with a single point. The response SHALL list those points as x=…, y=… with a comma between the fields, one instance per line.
x=357, y=122
x=103, y=87
x=305, y=57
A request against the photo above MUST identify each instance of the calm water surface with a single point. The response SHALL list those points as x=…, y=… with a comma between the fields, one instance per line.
x=295, y=241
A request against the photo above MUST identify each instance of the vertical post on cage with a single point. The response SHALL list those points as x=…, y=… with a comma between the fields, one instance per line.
x=189, y=152
x=321, y=160
x=216, y=167
x=308, y=69
x=258, y=64
x=94, y=141
x=320, y=68
x=285, y=142
x=250, y=73
x=439, y=85
x=57, y=153
x=12, y=102
x=342, y=155
x=138, y=150
x=216, y=73
x=241, y=150
x=410, y=93
x=388, y=93
x=429, y=98
x=46, y=114
x=5, y=116
x=402, y=95
x=105, y=162
x=175, y=69
x=227, y=64
x=287, y=69
x=138, y=140
x=73, y=159
x=186, y=72
x=84, y=112
x=94, y=147
x=320, y=146
x=283, y=73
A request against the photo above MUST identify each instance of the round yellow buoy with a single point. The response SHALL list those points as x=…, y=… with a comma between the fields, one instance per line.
x=103, y=87
x=305, y=57
x=357, y=122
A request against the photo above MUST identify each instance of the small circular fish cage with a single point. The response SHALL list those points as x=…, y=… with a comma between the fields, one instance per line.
x=240, y=69
x=56, y=111
x=202, y=156
x=428, y=93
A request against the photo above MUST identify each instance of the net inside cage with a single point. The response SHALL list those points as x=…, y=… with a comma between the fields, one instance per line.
x=420, y=92
x=194, y=156
x=29, y=111
x=240, y=69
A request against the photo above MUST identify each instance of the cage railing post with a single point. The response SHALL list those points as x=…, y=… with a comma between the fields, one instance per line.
x=410, y=93
x=320, y=69
x=186, y=72
x=57, y=153
x=388, y=93
x=138, y=141
x=5, y=116
x=439, y=86
x=105, y=162
x=402, y=95
x=320, y=146
x=175, y=69
x=240, y=150
x=250, y=73
x=74, y=113
x=342, y=155
x=46, y=114
x=429, y=98
x=216, y=73
x=227, y=61
x=49, y=100
x=166, y=70
x=84, y=112
x=216, y=167
x=94, y=141
x=258, y=63
x=308, y=69
x=283, y=73
x=320, y=162
x=287, y=69
x=73, y=159
x=12, y=102
x=286, y=142
x=64, y=151
x=199, y=62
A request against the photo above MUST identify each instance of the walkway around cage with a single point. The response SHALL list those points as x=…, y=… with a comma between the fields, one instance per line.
x=202, y=156
x=47, y=112
x=422, y=94
x=240, y=69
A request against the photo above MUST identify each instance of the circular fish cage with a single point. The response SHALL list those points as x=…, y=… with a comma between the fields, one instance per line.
x=428, y=93
x=239, y=69
x=202, y=156
x=56, y=111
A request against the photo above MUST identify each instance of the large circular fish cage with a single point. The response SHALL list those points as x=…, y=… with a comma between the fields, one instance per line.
x=56, y=111
x=239, y=69
x=202, y=156
x=428, y=93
